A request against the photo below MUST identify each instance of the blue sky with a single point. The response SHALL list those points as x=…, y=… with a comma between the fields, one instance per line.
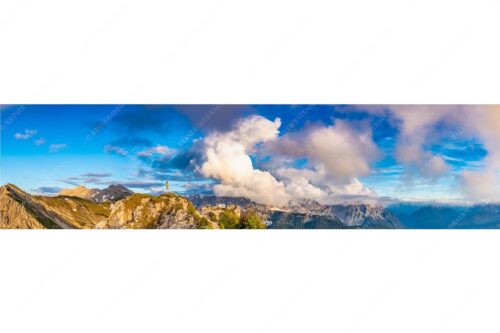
x=48, y=147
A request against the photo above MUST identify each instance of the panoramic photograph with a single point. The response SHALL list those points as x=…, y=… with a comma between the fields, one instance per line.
x=250, y=167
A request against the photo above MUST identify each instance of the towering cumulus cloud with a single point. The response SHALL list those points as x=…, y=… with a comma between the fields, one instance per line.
x=227, y=159
x=335, y=156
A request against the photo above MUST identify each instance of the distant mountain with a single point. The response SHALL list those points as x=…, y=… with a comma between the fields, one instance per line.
x=308, y=214
x=112, y=193
x=436, y=216
x=482, y=216
x=80, y=192
x=404, y=209
x=433, y=217
x=365, y=216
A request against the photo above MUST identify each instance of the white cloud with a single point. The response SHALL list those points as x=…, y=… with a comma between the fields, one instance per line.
x=40, y=141
x=483, y=122
x=227, y=159
x=57, y=147
x=337, y=155
x=160, y=150
x=418, y=126
x=480, y=185
x=343, y=152
x=26, y=135
x=434, y=166
x=426, y=163
x=110, y=149
x=308, y=184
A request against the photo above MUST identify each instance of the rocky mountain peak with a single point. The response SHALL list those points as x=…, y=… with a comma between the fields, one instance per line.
x=112, y=193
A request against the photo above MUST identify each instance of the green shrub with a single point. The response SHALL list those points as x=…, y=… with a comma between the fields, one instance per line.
x=177, y=206
x=212, y=216
x=191, y=209
x=251, y=220
x=229, y=220
x=203, y=223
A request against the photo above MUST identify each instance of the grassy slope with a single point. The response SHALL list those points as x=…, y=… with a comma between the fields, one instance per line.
x=80, y=213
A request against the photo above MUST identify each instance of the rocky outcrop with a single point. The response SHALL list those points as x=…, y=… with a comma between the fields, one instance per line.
x=141, y=211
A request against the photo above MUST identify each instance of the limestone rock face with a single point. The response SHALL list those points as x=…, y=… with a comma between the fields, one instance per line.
x=180, y=219
x=141, y=211
x=364, y=215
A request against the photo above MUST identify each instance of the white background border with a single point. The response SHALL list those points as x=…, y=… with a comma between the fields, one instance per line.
x=249, y=52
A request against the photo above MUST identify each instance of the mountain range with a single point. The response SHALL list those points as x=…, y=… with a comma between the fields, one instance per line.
x=111, y=193
x=435, y=216
x=117, y=207
x=309, y=214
